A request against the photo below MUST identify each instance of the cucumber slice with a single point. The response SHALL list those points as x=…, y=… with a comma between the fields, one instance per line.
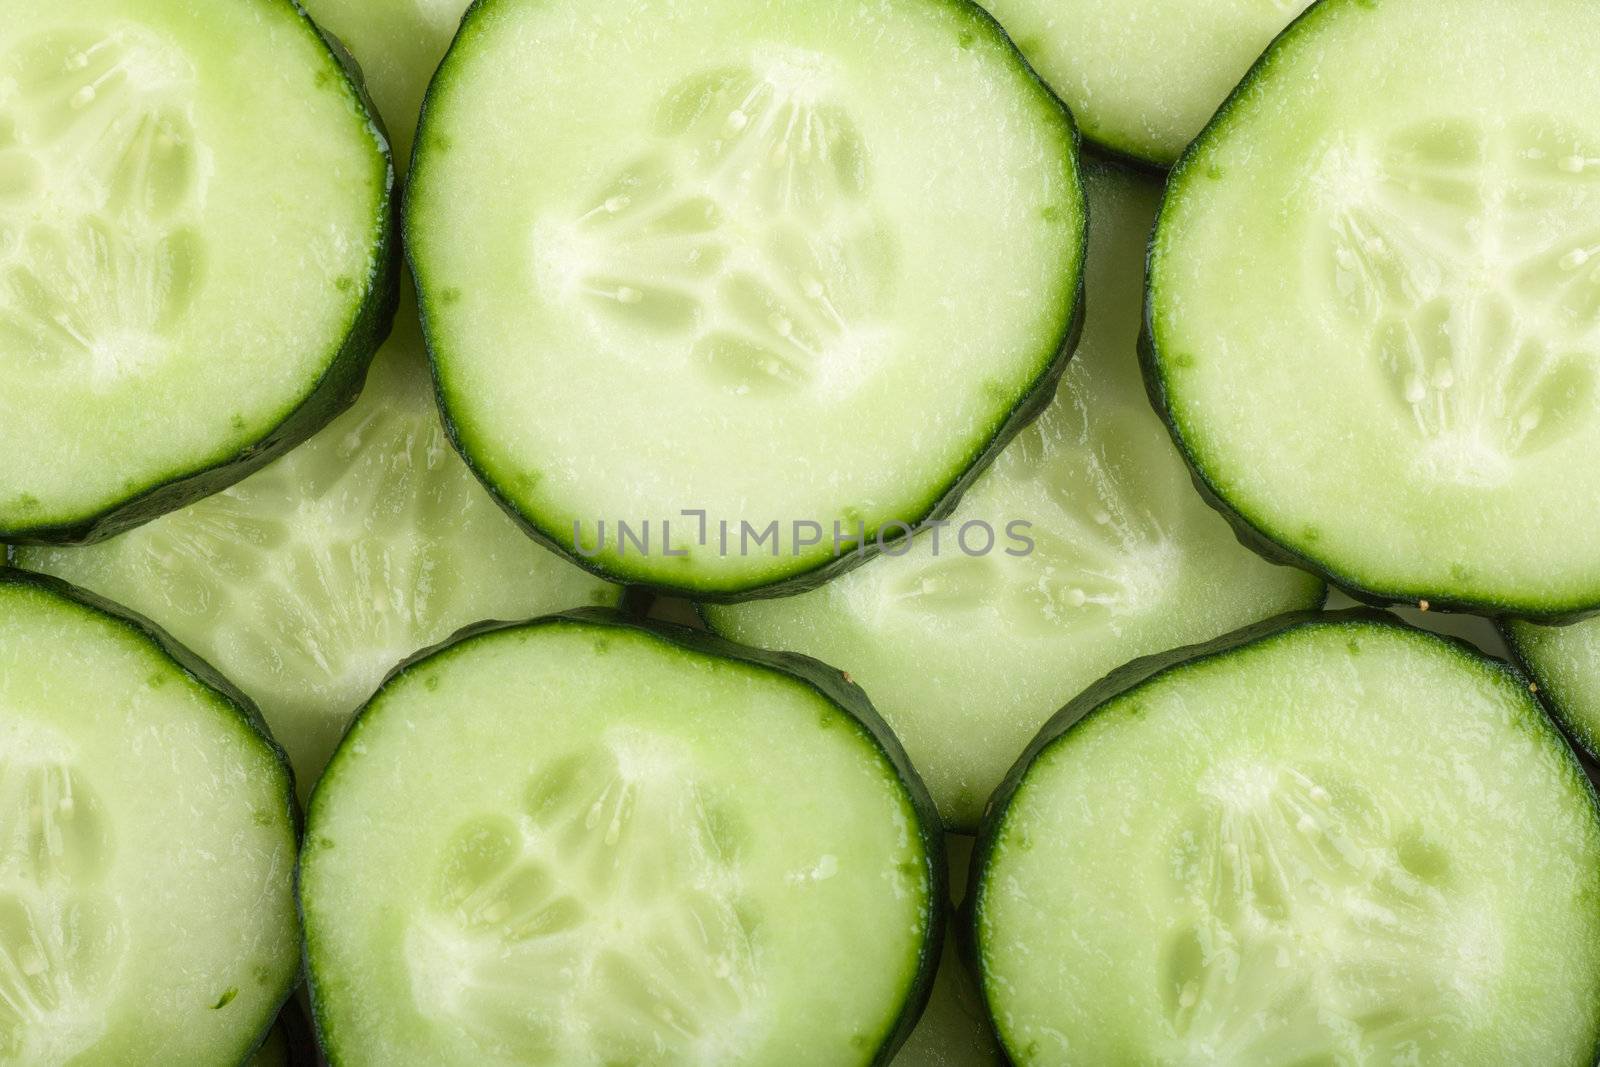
x=1332, y=839
x=309, y=581
x=1565, y=660
x=707, y=256
x=585, y=840
x=968, y=656
x=147, y=845
x=1143, y=76
x=398, y=44
x=1373, y=303
x=181, y=298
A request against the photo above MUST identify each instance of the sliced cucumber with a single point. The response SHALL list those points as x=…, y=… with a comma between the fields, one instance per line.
x=778, y=265
x=147, y=845
x=195, y=255
x=967, y=656
x=1566, y=662
x=1374, y=310
x=1330, y=840
x=586, y=841
x=1143, y=76
x=309, y=581
x=398, y=44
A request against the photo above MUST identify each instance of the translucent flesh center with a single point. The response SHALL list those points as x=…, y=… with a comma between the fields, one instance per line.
x=1103, y=543
x=101, y=180
x=1470, y=259
x=61, y=939
x=741, y=240
x=604, y=922
x=1318, y=932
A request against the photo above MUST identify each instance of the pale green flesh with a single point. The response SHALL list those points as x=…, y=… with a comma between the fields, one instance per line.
x=398, y=43
x=966, y=657
x=153, y=322
x=146, y=852
x=1566, y=661
x=1346, y=843
x=1376, y=301
x=309, y=581
x=729, y=265
x=1143, y=76
x=573, y=844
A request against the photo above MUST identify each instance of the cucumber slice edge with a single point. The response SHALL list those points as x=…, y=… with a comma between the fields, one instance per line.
x=832, y=685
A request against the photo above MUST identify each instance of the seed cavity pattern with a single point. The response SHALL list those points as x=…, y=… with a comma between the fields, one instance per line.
x=1104, y=536
x=61, y=937
x=1470, y=255
x=604, y=922
x=1317, y=930
x=741, y=235
x=102, y=179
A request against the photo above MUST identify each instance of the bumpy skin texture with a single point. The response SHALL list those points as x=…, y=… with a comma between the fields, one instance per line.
x=831, y=684
x=195, y=668
x=1251, y=535
x=1132, y=676
x=333, y=393
x=1028, y=407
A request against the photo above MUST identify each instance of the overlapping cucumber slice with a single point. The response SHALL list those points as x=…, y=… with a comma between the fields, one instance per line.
x=147, y=845
x=310, y=580
x=968, y=655
x=180, y=297
x=1143, y=76
x=737, y=271
x=1333, y=840
x=398, y=44
x=1566, y=662
x=582, y=840
x=1375, y=303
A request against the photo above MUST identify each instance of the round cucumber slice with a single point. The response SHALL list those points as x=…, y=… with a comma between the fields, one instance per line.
x=1566, y=662
x=147, y=845
x=967, y=656
x=1373, y=303
x=584, y=840
x=1331, y=839
x=399, y=44
x=726, y=269
x=1143, y=76
x=181, y=298
x=311, y=579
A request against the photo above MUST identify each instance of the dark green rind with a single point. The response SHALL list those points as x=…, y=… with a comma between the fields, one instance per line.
x=1582, y=737
x=1034, y=399
x=332, y=394
x=1256, y=534
x=1136, y=674
x=201, y=672
x=833, y=685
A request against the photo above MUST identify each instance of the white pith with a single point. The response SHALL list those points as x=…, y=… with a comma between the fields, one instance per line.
x=1481, y=315
x=742, y=240
x=600, y=924
x=102, y=179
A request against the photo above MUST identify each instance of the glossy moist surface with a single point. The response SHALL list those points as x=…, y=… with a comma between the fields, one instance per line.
x=309, y=581
x=1375, y=301
x=1345, y=843
x=153, y=321
x=146, y=851
x=1566, y=661
x=577, y=843
x=730, y=265
x=967, y=656
x=1143, y=76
